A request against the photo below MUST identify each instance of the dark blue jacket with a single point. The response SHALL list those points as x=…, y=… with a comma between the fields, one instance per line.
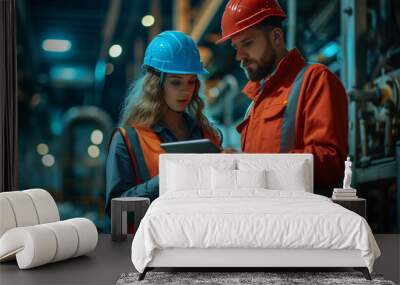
x=120, y=178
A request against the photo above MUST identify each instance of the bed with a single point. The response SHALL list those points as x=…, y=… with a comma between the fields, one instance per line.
x=247, y=210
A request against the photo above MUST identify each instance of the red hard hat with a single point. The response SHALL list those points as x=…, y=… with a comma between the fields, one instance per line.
x=240, y=15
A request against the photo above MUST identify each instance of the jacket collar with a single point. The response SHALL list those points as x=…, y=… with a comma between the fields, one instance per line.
x=160, y=126
x=292, y=62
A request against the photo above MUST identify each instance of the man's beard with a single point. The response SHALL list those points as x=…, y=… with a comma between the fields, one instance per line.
x=260, y=69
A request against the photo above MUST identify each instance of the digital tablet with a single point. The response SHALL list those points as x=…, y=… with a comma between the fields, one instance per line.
x=192, y=146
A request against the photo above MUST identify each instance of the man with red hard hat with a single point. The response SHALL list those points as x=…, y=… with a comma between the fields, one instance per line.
x=296, y=107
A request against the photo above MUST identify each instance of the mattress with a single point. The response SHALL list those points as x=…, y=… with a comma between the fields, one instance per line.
x=251, y=219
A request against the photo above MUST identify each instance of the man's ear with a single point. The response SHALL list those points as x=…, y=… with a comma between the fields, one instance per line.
x=276, y=37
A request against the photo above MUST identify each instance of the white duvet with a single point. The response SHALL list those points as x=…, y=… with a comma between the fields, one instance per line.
x=250, y=219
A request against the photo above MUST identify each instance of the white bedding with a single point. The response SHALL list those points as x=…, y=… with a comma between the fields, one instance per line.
x=252, y=218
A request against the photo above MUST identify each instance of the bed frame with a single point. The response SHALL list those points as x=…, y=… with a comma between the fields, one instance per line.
x=245, y=258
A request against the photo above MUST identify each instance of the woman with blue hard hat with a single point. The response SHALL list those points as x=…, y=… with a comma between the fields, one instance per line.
x=163, y=106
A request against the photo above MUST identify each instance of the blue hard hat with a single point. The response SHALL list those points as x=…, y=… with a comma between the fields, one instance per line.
x=174, y=52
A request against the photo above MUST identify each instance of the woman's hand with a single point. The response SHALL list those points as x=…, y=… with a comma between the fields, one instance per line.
x=230, y=150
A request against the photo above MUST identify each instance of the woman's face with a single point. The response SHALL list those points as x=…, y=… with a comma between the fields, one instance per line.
x=178, y=90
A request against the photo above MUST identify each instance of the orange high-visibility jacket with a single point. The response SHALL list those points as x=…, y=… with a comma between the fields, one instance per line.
x=299, y=108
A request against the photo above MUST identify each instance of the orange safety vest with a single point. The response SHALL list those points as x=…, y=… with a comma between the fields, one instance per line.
x=299, y=109
x=145, y=156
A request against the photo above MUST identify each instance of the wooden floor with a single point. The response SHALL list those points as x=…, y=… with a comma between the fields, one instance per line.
x=106, y=264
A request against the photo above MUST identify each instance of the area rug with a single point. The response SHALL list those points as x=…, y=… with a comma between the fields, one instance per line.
x=230, y=278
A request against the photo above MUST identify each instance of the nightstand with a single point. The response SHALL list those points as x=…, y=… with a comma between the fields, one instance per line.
x=119, y=209
x=358, y=205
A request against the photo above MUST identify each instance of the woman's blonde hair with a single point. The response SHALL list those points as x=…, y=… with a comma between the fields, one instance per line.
x=144, y=103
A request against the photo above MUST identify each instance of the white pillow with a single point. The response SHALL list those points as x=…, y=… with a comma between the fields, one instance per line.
x=293, y=179
x=223, y=179
x=281, y=174
x=181, y=177
x=251, y=178
x=230, y=180
x=193, y=175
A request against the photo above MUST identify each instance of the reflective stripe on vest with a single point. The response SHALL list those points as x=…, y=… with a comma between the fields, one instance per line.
x=134, y=166
x=288, y=130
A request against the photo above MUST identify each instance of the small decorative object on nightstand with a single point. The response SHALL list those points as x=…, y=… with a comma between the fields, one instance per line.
x=119, y=209
x=347, y=196
x=357, y=205
x=345, y=193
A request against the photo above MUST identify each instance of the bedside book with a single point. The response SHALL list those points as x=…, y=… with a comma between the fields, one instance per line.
x=341, y=190
x=344, y=194
x=344, y=197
